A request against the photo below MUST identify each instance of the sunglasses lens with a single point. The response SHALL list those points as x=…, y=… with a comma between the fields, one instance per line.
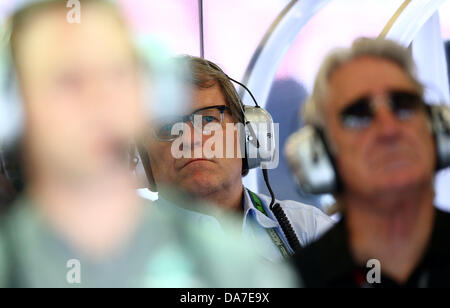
x=404, y=104
x=358, y=115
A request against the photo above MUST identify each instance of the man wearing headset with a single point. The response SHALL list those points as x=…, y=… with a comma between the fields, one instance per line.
x=385, y=144
x=219, y=179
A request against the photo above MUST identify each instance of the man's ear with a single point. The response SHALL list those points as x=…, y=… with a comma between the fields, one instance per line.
x=145, y=160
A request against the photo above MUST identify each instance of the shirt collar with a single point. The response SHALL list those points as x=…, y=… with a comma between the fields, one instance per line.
x=250, y=210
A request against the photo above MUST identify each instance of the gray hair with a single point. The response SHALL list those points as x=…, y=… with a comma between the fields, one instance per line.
x=313, y=111
x=205, y=74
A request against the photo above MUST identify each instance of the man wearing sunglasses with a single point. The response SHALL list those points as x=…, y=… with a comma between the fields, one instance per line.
x=369, y=106
x=214, y=112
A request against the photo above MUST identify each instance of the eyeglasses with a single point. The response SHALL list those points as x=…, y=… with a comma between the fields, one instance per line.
x=360, y=114
x=208, y=115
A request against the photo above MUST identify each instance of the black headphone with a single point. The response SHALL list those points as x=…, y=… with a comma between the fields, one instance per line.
x=11, y=166
x=309, y=155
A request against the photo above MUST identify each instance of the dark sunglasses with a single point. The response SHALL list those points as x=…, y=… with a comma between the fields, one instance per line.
x=360, y=114
x=210, y=114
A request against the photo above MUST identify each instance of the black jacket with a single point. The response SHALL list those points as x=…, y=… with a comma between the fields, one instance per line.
x=329, y=263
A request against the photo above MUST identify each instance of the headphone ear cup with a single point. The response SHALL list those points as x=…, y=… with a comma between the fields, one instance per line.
x=308, y=155
x=259, y=139
x=11, y=166
x=440, y=122
x=144, y=171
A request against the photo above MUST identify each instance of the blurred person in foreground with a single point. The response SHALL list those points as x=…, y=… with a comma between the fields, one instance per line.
x=80, y=221
x=205, y=170
x=370, y=107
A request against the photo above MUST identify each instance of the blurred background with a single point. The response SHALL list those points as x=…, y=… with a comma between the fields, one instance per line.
x=276, y=47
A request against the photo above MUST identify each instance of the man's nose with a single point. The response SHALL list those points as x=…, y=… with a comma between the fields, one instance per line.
x=387, y=124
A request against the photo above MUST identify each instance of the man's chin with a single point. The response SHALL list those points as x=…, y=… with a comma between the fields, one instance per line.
x=201, y=185
x=399, y=182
